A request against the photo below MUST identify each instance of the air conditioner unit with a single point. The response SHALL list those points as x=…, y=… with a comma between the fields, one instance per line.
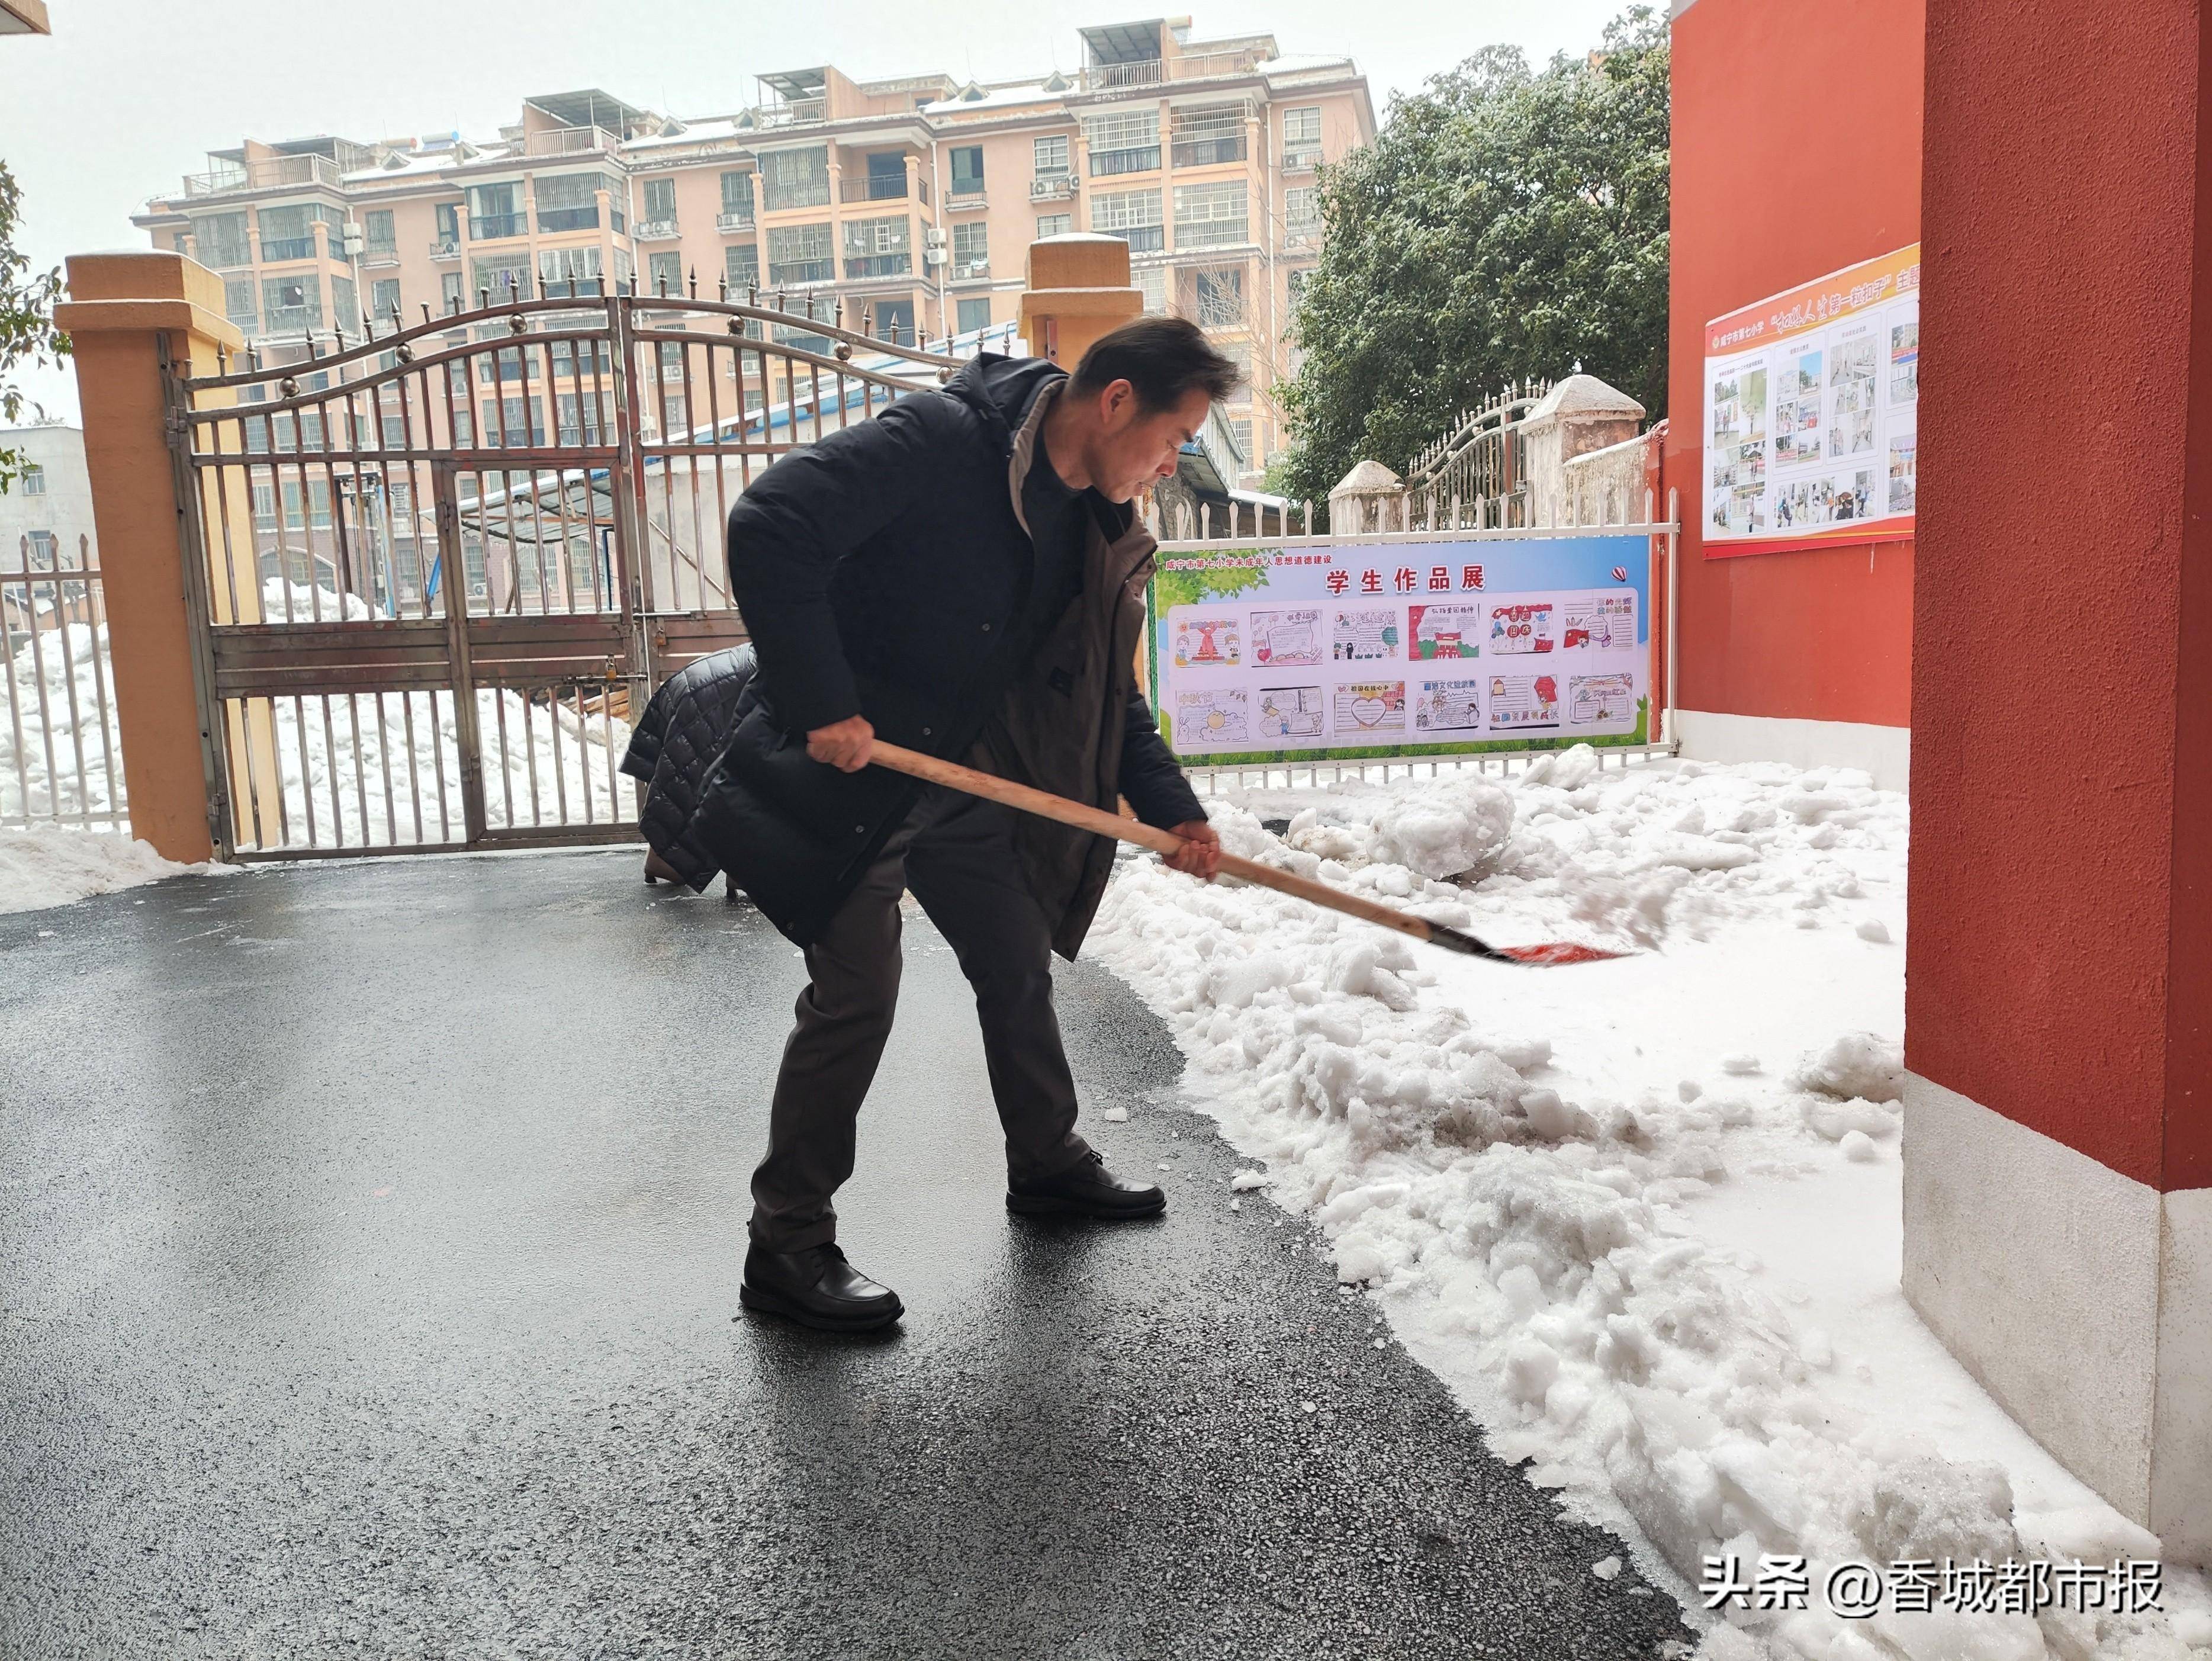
x=934, y=256
x=934, y=237
x=350, y=240
x=976, y=268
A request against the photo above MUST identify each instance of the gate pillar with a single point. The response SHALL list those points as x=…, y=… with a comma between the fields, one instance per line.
x=1078, y=289
x=123, y=310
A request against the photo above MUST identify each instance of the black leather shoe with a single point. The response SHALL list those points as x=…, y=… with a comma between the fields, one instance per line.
x=816, y=1287
x=1086, y=1188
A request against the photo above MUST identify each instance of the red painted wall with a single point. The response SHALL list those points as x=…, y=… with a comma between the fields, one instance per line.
x=2060, y=966
x=1796, y=151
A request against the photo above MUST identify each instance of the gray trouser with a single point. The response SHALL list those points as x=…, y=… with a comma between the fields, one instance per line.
x=957, y=856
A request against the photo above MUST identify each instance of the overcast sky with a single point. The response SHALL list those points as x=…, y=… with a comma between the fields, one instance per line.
x=128, y=95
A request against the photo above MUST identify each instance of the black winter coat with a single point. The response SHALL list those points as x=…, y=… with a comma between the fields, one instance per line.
x=880, y=572
x=671, y=746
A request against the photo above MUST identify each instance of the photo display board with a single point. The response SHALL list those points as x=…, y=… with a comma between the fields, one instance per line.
x=1317, y=651
x=1811, y=401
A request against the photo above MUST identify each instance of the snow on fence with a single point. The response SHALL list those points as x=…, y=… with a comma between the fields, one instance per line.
x=60, y=762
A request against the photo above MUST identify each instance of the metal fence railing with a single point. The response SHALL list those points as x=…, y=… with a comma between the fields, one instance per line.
x=60, y=760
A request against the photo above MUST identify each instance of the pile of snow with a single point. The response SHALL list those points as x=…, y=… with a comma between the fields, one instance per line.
x=39, y=868
x=1642, y=1216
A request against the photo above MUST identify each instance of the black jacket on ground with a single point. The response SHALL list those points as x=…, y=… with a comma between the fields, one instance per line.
x=879, y=573
x=673, y=744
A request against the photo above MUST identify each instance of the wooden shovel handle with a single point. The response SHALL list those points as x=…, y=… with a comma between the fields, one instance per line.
x=1043, y=803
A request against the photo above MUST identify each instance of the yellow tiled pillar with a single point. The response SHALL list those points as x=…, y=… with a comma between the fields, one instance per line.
x=1078, y=289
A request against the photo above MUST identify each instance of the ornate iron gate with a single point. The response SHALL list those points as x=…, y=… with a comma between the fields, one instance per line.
x=440, y=569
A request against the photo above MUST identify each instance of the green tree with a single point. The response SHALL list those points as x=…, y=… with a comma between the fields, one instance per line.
x=1505, y=224
x=27, y=327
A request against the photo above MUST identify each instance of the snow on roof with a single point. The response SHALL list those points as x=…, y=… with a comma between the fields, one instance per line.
x=1002, y=98
x=694, y=132
x=1302, y=63
x=1585, y=394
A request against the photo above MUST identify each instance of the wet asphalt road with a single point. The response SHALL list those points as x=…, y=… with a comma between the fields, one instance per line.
x=369, y=1242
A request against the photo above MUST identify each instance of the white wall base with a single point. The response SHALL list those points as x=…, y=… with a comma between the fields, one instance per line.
x=1884, y=751
x=2080, y=1298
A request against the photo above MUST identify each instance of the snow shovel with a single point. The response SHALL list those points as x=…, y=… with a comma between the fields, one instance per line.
x=954, y=776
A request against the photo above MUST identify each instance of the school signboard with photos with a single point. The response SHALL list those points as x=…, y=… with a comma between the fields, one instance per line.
x=1321, y=651
x=1811, y=400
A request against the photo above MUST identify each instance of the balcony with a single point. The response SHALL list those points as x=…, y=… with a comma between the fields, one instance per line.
x=1053, y=187
x=276, y=250
x=1142, y=159
x=1207, y=152
x=224, y=256
x=491, y=227
x=970, y=270
x=383, y=256
x=550, y=220
x=1151, y=71
x=874, y=188
x=1300, y=161
x=870, y=266
x=741, y=220
x=285, y=319
x=444, y=250
x=782, y=199
x=1141, y=238
x=961, y=201
x=793, y=113
x=800, y=273
x=657, y=230
x=268, y=173
x=570, y=140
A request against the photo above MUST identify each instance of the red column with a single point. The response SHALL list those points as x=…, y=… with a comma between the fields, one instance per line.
x=2058, y=1158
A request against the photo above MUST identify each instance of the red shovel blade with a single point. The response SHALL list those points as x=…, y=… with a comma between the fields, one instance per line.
x=1553, y=955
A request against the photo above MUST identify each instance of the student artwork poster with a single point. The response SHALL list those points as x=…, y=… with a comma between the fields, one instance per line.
x=1311, y=650
x=1811, y=400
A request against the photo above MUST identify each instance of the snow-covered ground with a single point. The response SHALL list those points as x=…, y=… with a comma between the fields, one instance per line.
x=1643, y=1215
x=41, y=868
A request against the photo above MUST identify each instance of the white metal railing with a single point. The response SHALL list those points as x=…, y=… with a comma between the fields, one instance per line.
x=1150, y=71
x=265, y=174
x=569, y=141
x=61, y=763
x=1211, y=780
x=655, y=230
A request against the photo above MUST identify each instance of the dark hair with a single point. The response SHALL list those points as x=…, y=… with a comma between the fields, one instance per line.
x=1164, y=358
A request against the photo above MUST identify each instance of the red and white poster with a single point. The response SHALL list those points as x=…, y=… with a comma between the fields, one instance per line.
x=1812, y=397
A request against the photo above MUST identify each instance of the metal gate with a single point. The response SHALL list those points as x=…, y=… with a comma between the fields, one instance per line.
x=439, y=570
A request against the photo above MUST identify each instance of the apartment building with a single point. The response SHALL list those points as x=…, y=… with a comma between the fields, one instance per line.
x=903, y=206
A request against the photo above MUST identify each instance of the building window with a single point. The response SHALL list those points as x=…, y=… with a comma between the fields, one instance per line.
x=894, y=321
x=1217, y=296
x=345, y=303
x=1210, y=216
x=1053, y=225
x=449, y=223
x=570, y=201
x=581, y=415
x=1133, y=215
x=42, y=551
x=736, y=200
x=664, y=272
x=971, y=249
x=451, y=294
x=384, y=298
x=741, y=267
x=660, y=201
x=795, y=179
x=1127, y=141
x=974, y=314
x=377, y=236
x=289, y=303
x=968, y=170
x=515, y=422
x=878, y=247
x=800, y=253
x=1302, y=207
x=1302, y=129
x=1051, y=155
x=222, y=240
x=570, y=272
x=1295, y=282
x=574, y=358
x=34, y=479
x=496, y=210
x=395, y=438
x=265, y=507
x=288, y=233
x=1152, y=281
x=1206, y=136
x=504, y=280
